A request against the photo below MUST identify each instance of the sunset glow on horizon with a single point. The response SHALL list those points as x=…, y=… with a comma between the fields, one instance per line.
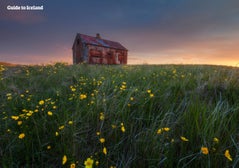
x=154, y=32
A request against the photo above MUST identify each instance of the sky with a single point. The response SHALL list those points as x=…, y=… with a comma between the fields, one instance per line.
x=153, y=31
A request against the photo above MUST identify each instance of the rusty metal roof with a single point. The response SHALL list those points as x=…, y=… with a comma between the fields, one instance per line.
x=100, y=42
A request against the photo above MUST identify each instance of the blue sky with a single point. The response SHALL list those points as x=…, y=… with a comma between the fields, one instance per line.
x=154, y=31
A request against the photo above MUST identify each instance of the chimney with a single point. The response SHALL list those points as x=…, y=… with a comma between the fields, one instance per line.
x=98, y=36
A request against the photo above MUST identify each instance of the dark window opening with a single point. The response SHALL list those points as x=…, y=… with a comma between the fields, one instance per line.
x=78, y=41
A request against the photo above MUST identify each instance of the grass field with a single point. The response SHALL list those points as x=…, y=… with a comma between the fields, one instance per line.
x=119, y=116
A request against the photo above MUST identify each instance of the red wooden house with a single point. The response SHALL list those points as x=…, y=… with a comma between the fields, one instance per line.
x=95, y=50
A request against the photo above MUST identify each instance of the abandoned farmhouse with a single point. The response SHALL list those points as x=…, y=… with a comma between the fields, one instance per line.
x=95, y=50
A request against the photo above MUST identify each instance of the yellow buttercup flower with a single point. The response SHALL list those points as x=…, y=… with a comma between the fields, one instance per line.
x=15, y=117
x=159, y=131
x=61, y=127
x=122, y=127
x=105, y=150
x=64, y=160
x=70, y=122
x=89, y=163
x=73, y=165
x=227, y=155
x=166, y=129
x=151, y=95
x=102, y=140
x=19, y=123
x=83, y=96
x=21, y=136
x=216, y=140
x=73, y=89
x=49, y=113
x=102, y=116
x=41, y=102
x=204, y=150
x=184, y=139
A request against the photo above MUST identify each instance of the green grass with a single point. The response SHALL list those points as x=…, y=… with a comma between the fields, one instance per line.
x=89, y=102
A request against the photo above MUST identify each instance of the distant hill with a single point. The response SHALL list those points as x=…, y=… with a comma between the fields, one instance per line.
x=7, y=64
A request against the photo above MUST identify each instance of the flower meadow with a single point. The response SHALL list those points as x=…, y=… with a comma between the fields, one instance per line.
x=89, y=116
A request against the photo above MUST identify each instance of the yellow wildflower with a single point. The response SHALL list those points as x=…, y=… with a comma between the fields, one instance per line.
x=64, y=160
x=19, y=123
x=97, y=163
x=227, y=155
x=57, y=133
x=15, y=117
x=102, y=140
x=49, y=113
x=29, y=113
x=61, y=127
x=98, y=133
x=83, y=96
x=151, y=95
x=102, y=116
x=159, y=131
x=166, y=129
x=70, y=122
x=8, y=94
x=24, y=110
x=89, y=163
x=73, y=89
x=73, y=165
x=41, y=102
x=184, y=139
x=204, y=150
x=48, y=147
x=21, y=136
x=216, y=140
x=122, y=127
x=105, y=150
